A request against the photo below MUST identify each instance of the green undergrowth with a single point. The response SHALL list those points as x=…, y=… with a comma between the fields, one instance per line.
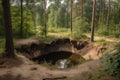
x=112, y=62
x=115, y=36
x=102, y=42
x=55, y=33
x=79, y=36
x=56, y=29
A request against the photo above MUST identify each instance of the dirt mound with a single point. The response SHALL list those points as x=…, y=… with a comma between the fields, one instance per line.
x=93, y=51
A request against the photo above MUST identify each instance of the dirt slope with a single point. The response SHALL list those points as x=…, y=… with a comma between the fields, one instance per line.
x=33, y=71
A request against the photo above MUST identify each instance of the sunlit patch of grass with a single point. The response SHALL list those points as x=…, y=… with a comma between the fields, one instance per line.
x=60, y=34
x=55, y=33
x=102, y=42
x=51, y=35
x=56, y=30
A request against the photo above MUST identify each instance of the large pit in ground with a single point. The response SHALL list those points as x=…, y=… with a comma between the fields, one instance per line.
x=62, y=53
x=60, y=59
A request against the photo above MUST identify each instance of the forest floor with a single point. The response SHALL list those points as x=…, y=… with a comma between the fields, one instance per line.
x=113, y=40
x=28, y=70
x=22, y=68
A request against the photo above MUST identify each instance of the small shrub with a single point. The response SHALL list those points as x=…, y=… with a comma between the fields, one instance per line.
x=102, y=30
x=77, y=35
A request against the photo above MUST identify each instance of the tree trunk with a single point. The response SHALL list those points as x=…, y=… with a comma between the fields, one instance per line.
x=101, y=11
x=34, y=15
x=93, y=20
x=45, y=30
x=71, y=15
x=108, y=16
x=21, y=27
x=67, y=20
x=81, y=10
x=8, y=29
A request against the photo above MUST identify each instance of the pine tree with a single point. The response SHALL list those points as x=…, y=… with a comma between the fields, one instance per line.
x=8, y=29
x=93, y=20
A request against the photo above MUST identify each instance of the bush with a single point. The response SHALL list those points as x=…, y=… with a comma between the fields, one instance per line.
x=77, y=35
x=102, y=30
x=113, y=62
x=81, y=26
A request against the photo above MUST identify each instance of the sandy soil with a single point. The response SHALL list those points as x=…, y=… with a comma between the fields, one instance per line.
x=33, y=71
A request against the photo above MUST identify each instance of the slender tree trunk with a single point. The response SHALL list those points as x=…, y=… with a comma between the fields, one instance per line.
x=81, y=10
x=93, y=20
x=27, y=2
x=21, y=27
x=34, y=15
x=8, y=29
x=67, y=20
x=71, y=15
x=108, y=16
x=67, y=14
x=45, y=30
x=100, y=13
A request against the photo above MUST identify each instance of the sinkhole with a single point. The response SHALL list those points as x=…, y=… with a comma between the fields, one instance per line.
x=60, y=59
x=60, y=53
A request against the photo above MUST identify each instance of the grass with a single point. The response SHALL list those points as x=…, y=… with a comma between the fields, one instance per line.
x=55, y=33
x=108, y=36
x=59, y=33
x=102, y=42
x=52, y=36
x=56, y=30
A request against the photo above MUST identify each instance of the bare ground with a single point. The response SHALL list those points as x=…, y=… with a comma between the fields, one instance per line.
x=28, y=70
x=33, y=71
